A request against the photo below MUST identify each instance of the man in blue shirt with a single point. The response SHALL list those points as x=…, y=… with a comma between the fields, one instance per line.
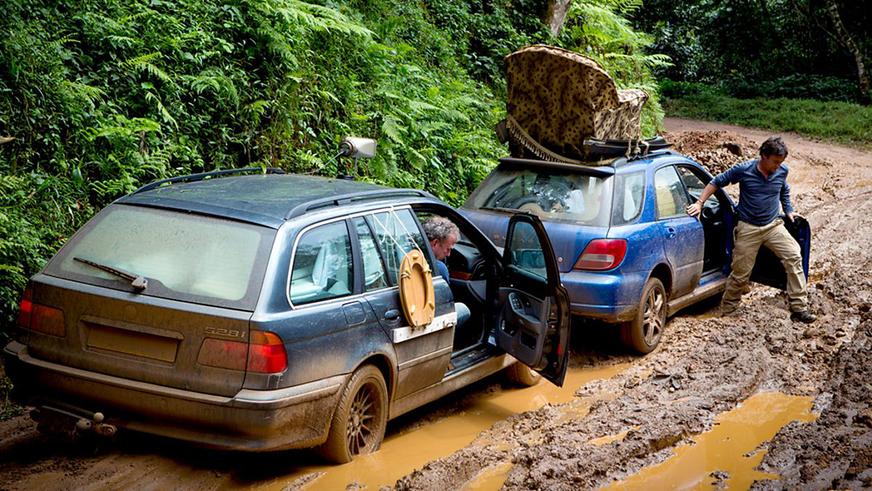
x=763, y=194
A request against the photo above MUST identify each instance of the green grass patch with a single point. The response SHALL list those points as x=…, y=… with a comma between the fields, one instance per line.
x=839, y=122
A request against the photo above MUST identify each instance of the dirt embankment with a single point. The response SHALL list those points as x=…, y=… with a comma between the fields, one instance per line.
x=706, y=365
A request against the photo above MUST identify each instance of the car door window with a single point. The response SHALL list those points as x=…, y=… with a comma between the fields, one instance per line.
x=374, y=276
x=670, y=194
x=629, y=192
x=322, y=266
x=694, y=184
x=396, y=233
x=526, y=251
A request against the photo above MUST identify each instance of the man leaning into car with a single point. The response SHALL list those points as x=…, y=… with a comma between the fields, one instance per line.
x=443, y=234
x=763, y=192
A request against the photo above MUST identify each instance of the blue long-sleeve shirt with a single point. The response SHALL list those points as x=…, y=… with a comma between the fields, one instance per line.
x=760, y=199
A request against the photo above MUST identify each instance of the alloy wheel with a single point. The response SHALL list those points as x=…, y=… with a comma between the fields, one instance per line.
x=655, y=316
x=360, y=431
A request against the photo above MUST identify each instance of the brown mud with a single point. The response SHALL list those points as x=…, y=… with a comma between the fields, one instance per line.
x=635, y=420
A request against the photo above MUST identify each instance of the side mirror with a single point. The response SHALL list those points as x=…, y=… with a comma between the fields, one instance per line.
x=356, y=147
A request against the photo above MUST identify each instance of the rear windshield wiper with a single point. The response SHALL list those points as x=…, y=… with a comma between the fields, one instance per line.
x=136, y=281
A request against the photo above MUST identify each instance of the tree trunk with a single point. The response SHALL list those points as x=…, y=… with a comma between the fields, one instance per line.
x=848, y=42
x=556, y=14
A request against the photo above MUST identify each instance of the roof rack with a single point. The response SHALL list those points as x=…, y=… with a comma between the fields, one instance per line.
x=620, y=148
x=354, y=197
x=207, y=175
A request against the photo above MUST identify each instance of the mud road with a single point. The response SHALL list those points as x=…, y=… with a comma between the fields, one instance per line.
x=750, y=401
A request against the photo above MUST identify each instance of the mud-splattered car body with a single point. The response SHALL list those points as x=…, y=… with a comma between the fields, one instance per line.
x=619, y=224
x=240, y=312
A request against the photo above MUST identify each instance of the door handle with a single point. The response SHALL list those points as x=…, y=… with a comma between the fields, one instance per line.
x=671, y=232
x=392, y=315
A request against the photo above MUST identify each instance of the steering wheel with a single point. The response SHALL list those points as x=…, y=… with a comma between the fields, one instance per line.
x=533, y=208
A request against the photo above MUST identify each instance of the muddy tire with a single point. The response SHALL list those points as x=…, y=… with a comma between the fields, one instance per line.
x=358, y=424
x=643, y=333
x=522, y=375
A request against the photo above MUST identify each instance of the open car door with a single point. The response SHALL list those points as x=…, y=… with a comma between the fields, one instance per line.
x=532, y=309
x=768, y=269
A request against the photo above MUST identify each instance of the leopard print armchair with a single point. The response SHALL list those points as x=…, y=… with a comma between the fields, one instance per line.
x=557, y=99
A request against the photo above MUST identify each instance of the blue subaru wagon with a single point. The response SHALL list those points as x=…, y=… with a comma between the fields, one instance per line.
x=627, y=251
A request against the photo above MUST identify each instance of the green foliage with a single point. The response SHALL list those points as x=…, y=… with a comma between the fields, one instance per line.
x=835, y=121
x=760, y=48
x=103, y=96
x=796, y=86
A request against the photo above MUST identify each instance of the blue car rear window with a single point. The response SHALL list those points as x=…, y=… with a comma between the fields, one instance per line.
x=550, y=194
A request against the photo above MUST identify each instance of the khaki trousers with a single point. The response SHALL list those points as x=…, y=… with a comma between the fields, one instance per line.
x=747, y=240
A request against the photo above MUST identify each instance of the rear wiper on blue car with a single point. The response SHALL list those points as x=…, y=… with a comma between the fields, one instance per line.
x=136, y=281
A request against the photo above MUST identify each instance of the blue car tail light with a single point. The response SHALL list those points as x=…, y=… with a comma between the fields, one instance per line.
x=602, y=254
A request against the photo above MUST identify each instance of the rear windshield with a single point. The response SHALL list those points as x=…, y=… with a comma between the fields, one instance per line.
x=186, y=257
x=551, y=194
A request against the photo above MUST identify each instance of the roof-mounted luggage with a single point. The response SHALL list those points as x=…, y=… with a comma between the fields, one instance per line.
x=564, y=107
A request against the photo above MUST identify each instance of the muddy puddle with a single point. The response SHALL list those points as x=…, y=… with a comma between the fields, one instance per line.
x=727, y=456
x=405, y=451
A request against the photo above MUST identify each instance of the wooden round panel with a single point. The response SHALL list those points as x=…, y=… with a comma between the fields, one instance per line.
x=416, y=289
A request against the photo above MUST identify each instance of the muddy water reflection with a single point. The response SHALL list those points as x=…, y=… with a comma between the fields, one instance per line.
x=406, y=451
x=730, y=447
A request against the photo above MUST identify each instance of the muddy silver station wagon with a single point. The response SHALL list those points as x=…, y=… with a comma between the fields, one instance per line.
x=263, y=312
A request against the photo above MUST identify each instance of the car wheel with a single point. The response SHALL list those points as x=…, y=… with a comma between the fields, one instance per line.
x=358, y=424
x=520, y=374
x=643, y=333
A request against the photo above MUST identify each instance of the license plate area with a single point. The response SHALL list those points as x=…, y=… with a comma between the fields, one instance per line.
x=133, y=342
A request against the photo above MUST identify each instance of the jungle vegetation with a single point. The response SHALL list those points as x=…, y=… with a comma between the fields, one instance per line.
x=98, y=97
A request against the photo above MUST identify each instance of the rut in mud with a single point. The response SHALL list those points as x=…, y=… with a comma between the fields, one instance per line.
x=635, y=417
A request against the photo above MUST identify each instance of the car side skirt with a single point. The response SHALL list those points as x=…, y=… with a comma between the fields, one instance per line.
x=449, y=384
x=700, y=293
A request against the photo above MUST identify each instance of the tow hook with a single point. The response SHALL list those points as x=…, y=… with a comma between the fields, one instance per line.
x=96, y=425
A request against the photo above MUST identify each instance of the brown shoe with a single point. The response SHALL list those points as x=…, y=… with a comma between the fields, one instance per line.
x=804, y=316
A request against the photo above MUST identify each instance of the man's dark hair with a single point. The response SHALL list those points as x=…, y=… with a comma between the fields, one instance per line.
x=773, y=145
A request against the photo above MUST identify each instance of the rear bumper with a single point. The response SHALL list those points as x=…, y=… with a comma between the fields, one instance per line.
x=612, y=297
x=252, y=420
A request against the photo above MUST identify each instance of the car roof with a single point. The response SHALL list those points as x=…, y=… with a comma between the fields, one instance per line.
x=267, y=200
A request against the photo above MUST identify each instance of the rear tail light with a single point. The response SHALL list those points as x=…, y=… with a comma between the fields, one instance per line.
x=602, y=254
x=41, y=318
x=25, y=309
x=264, y=353
x=221, y=353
